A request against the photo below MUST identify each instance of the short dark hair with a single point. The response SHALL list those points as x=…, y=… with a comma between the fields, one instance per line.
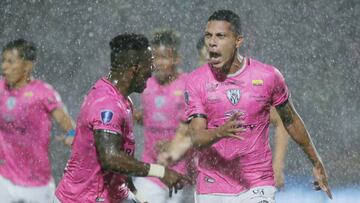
x=122, y=44
x=168, y=38
x=228, y=16
x=26, y=49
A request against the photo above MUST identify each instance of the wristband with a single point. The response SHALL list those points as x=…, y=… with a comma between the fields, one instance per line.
x=156, y=170
x=71, y=133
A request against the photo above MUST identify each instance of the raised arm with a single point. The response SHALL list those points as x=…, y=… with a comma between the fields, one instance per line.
x=297, y=130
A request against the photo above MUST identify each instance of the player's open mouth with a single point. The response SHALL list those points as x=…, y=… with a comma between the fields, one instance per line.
x=214, y=57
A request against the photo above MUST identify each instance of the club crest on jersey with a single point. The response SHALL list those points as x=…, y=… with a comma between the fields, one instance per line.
x=106, y=116
x=10, y=103
x=159, y=101
x=233, y=95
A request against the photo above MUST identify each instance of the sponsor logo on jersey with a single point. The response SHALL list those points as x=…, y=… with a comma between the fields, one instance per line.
x=10, y=103
x=258, y=191
x=158, y=116
x=213, y=99
x=233, y=95
x=159, y=101
x=100, y=199
x=106, y=116
x=209, y=179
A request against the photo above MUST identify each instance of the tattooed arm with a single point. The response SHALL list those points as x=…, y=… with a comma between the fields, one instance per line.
x=297, y=130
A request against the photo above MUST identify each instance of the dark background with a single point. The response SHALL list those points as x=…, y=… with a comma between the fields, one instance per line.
x=315, y=44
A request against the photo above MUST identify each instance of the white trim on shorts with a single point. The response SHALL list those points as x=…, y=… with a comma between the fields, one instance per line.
x=253, y=195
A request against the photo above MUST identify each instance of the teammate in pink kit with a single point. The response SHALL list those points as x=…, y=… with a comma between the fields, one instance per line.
x=163, y=112
x=102, y=153
x=27, y=106
x=232, y=96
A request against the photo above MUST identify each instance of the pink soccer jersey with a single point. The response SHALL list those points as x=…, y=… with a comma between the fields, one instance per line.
x=25, y=125
x=104, y=108
x=231, y=166
x=163, y=110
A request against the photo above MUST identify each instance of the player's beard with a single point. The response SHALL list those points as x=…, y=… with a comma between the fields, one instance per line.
x=138, y=87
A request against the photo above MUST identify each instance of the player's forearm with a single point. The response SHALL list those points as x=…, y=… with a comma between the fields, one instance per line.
x=63, y=119
x=296, y=128
x=181, y=143
x=202, y=138
x=300, y=135
x=121, y=162
x=281, y=143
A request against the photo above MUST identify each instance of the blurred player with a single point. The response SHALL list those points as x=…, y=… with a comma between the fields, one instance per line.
x=27, y=107
x=103, y=149
x=163, y=110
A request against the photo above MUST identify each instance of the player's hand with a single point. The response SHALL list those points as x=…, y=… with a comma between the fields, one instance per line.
x=164, y=158
x=138, y=117
x=162, y=146
x=321, y=182
x=67, y=140
x=231, y=128
x=174, y=180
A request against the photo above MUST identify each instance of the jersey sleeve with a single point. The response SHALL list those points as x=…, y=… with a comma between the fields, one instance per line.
x=194, y=106
x=280, y=91
x=106, y=114
x=51, y=99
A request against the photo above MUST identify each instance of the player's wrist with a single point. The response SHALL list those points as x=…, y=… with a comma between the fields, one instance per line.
x=70, y=133
x=156, y=170
x=218, y=132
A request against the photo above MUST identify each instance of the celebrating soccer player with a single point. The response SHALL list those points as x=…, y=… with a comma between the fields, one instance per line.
x=228, y=103
x=103, y=148
x=27, y=106
x=163, y=110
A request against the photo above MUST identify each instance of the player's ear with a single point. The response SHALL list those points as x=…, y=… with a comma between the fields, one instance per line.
x=177, y=60
x=28, y=67
x=239, y=40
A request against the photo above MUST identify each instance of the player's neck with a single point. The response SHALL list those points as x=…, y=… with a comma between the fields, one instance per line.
x=169, y=79
x=20, y=84
x=121, y=83
x=237, y=64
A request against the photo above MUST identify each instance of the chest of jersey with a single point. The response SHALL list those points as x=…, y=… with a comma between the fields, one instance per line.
x=17, y=108
x=163, y=105
x=250, y=97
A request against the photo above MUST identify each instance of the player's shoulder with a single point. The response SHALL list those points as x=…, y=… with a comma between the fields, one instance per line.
x=151, y=84
x=260, y=66
x=42, y=87
x=263, y=68
x=103, y=94
x=103, y=87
